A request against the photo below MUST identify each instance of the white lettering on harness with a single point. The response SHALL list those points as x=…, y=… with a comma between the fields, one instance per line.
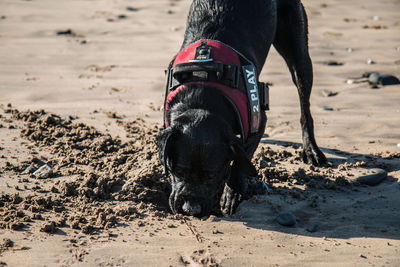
x=256, y=108
x=253, y=97
x=251, y=78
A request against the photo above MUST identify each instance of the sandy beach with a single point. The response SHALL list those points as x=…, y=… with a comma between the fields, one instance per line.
x=81, y=91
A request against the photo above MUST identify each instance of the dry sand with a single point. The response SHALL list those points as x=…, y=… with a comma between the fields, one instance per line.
x=81, y=85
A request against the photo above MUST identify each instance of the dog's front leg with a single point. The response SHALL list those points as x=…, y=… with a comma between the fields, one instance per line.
x=234, y=191
x=238, y=188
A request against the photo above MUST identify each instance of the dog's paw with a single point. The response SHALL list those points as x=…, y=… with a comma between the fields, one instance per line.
x=313, y=155
x=230, y=200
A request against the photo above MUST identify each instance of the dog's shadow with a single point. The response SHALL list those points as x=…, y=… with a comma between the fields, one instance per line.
x=337, y=209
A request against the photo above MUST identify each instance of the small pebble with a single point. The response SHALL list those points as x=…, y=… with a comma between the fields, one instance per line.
x=398, y=145
x=45, y=171
x=349, y=49
x=376, y=18
x=370, y=62
x=374, y=78
x=286, y=219
x=66, y=32
x=327, y=108
x=332, y=63
x=328, y=93
x=375, y=177
x=132, y=9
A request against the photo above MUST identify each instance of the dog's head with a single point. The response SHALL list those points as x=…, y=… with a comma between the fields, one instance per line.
x=197, y=149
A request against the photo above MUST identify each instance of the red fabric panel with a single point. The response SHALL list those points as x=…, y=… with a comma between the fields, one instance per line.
x=225, y=55
x=219, y=53
x=237, y=97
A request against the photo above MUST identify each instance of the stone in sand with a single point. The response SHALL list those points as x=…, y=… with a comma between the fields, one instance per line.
x=45, y=171
x=286, y=219
x=132, y=9
x=328, y=93
x=382, y=79
x=327, y=108
x=65, y=32
x=375, y=177
x=332, y=63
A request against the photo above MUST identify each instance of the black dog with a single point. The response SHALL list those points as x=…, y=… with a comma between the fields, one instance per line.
x=209, y=137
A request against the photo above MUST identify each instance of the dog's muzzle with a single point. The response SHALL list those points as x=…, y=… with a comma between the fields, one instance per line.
x=191, y=208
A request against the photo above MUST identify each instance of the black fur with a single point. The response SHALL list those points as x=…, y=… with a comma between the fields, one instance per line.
x=210, y=167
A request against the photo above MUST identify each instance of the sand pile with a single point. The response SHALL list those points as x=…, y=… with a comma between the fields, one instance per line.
x=92, y=181
x=85, y=187
x=89, y=181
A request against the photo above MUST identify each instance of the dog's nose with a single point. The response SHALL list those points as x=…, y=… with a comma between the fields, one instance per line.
x=190, y=208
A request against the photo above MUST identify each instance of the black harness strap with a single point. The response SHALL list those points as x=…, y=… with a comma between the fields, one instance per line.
x=203, y=68
x=229, y=75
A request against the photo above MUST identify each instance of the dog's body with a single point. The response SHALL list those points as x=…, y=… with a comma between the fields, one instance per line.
x=201, y=139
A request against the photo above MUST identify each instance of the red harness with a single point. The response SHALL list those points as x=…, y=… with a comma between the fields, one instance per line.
x=229, y=76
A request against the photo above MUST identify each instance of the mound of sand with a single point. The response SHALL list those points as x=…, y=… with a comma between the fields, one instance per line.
x=109, y=181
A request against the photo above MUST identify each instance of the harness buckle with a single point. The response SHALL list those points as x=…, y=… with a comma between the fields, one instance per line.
x=169, y=73
x=264, y=95
x=203, y=53
x=232, y=75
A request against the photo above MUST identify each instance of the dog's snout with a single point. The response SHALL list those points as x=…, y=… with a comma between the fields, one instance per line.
x=191, y=208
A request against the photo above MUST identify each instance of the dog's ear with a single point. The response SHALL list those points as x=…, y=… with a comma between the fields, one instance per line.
x=241, y=158
x=164, y=144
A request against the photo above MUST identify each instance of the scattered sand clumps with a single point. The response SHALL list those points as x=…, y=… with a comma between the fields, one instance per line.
x=91, y=180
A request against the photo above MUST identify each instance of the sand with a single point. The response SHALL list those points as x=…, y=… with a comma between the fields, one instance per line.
x=81, y=86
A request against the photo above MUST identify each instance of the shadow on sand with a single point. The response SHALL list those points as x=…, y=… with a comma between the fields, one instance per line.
x=346, y=210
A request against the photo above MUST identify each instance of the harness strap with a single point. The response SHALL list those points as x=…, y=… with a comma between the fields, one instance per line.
x=218, y=65
x=227, y=74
